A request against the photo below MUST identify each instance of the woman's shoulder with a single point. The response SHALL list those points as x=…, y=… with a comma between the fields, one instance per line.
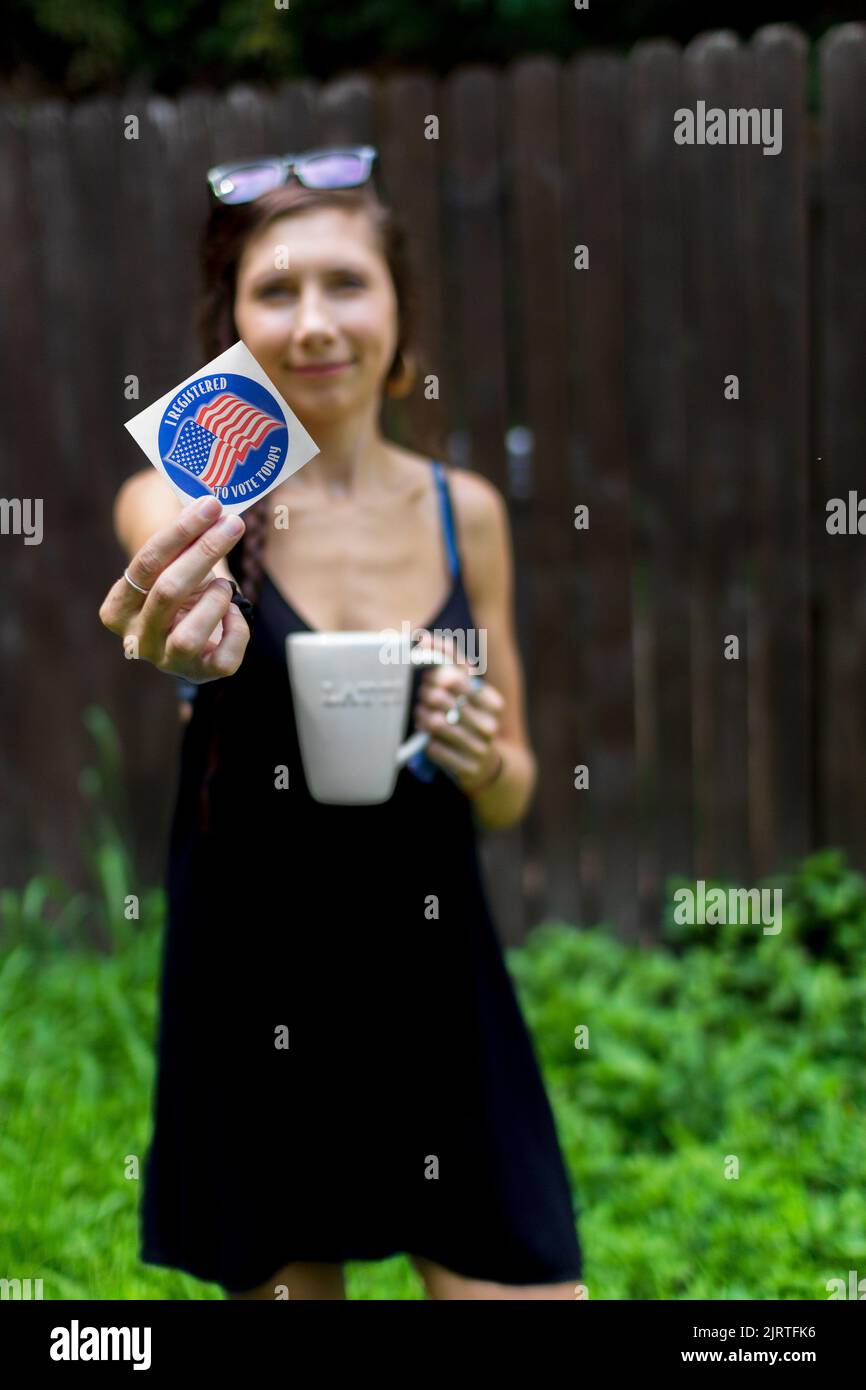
x=478, y=503
x=143, y=504
x=481, y=522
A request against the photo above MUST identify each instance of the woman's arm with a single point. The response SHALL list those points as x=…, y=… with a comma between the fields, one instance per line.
x=484, y=541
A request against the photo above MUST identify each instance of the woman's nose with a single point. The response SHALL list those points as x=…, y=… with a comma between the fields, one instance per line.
x=312, y=316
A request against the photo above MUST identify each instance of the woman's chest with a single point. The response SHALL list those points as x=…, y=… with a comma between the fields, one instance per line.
x=357, y=568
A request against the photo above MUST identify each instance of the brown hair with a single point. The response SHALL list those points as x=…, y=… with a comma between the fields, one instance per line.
x=226, y=233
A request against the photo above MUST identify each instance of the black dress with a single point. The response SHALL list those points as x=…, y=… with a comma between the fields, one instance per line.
x=344, y=1072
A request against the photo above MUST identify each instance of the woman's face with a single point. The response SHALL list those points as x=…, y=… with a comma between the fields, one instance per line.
x=315, y=304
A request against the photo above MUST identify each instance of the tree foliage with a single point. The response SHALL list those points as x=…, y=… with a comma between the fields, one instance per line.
x=53, y=46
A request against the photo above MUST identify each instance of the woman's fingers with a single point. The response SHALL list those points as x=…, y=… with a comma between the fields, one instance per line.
x=123, y=601
x=446, y=681
x=189, y=636
x=185, y=574
x=455, y=760
x=460, y=739
x=185, y=623
x=479, y=705
x=484, y=705
x=473, y=730
x=190, y=649
x=225, y=658
x=435, y=705
x=480, y=722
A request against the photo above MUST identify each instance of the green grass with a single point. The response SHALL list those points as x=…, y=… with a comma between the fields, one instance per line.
x=719, y=1046
x=719, y=1043
x=723, y=1044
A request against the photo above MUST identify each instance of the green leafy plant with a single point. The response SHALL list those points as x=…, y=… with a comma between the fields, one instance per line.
x=708, y=1090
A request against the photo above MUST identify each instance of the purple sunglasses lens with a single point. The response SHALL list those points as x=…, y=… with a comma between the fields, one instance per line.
x=333, y=170
x=242, y=185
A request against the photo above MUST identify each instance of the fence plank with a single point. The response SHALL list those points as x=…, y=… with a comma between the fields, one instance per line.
x=476, y=290
x=345, y=111
x=87, y=490
x=238, y=123
x=156, y=291
x=842, y=558
x=194, y=152
x=26, y=475
x=61, y=369
x=473, y=296
x=718, y=441
x=543, y=257
x=660, y=469
x=289, y=117
x=602, y=554
x=779, y=629
x=411, y=178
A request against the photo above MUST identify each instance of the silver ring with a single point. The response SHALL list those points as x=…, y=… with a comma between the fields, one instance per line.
x=453, y=715
x=133, y=583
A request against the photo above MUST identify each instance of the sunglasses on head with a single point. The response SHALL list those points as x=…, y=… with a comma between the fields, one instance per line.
x=332, y=168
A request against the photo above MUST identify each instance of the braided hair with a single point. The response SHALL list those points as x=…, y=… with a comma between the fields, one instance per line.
x=226, y=233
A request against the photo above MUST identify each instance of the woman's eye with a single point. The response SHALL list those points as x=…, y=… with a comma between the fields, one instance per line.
x=349, y=282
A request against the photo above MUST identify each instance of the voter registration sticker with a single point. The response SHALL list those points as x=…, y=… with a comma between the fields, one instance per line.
x=225, y=432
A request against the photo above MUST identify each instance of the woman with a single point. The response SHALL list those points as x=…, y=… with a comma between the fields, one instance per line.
x=407, y=1113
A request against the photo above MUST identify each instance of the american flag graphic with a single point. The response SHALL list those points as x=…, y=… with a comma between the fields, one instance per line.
x=219, y=436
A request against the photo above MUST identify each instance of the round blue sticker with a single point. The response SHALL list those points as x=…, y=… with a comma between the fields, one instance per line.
x=223, y=434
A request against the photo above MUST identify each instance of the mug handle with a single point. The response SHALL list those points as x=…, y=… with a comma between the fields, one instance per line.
x=417, y=741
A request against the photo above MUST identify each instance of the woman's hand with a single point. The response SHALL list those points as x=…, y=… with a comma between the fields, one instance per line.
x=186, y=624
x=463, y=746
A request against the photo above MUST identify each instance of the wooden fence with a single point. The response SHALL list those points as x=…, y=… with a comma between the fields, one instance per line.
x=706, y=514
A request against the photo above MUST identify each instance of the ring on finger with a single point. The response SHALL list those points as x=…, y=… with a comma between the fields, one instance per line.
x=135, y=586
x=453, y=715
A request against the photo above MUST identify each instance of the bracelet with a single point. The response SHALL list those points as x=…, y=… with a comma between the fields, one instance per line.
x=488, y=782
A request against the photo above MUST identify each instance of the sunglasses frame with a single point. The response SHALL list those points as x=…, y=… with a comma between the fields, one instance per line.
x=291, y=164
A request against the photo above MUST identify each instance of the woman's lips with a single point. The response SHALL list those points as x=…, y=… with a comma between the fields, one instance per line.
x=321, y=368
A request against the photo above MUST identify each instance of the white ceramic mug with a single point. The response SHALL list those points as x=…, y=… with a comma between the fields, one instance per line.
x=351, y=694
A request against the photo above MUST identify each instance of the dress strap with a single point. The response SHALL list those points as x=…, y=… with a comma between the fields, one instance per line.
x=447, y=512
